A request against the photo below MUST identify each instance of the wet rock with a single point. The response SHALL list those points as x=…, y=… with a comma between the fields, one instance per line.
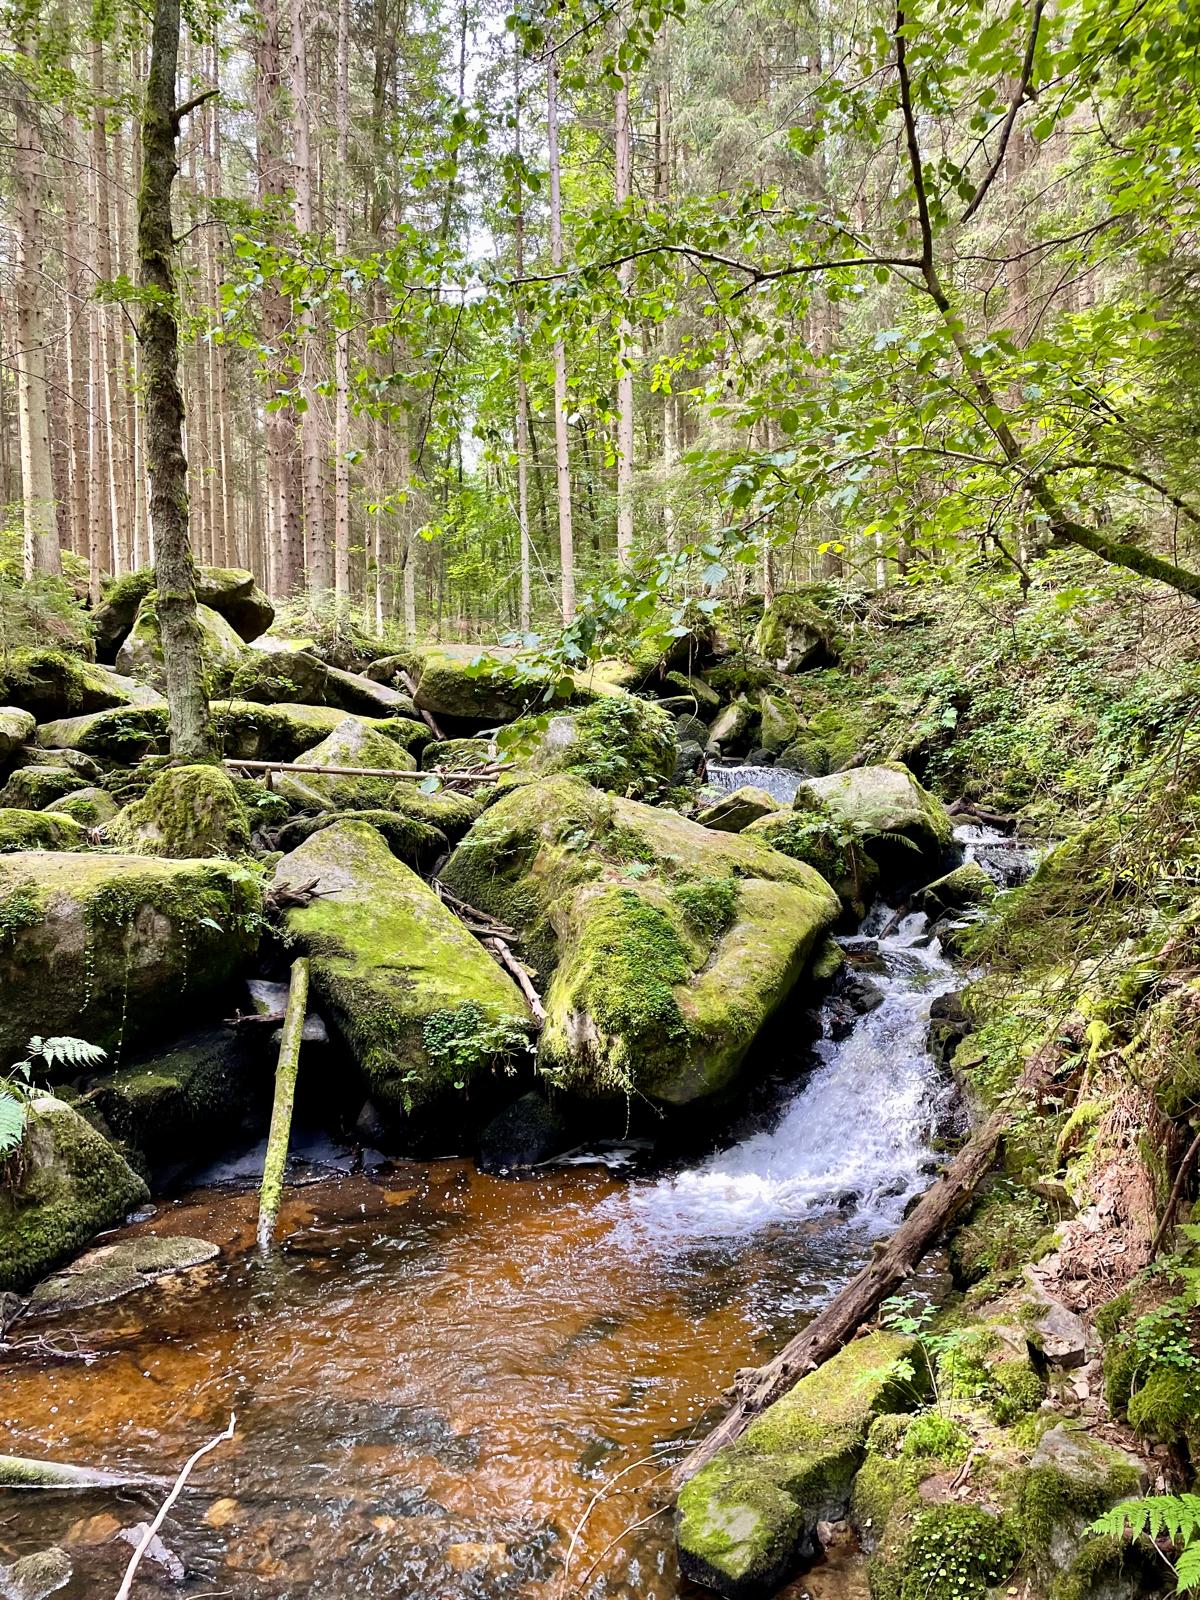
x=524, y=1133
x=36, y=1576
x=353, y=743
x=963, y=889
x=949, y=1025
x=369, y=1126
x=141, y=654
x=39, y=830
x=180, y=1103
x=737, y=810
x=688, y=761
x=422, y=1006
x=187, y=813
x=353, y=691
x=16, y=726
x=778, y=723
x=732, y=728
x=101, y=946
x=793, y=634
x=72, y=1184
x=748, y=1515
x=278, y=677
x=111, y=1271
x=889, y=810
x=270, y=999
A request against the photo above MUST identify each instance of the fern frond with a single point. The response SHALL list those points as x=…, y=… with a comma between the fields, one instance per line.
x=12, y=1122
x=1187, y=1569
x=1177, y=1515
x=63, y=1049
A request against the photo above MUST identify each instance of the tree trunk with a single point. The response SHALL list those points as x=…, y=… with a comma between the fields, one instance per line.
x=76, y=351
x=37, y=482
x=623, y=189
x=175, y=570
x=341, y=352
x=562, y=449
x=522, y=388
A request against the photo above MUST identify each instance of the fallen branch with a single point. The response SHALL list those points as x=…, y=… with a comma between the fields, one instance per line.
x=469, y=776
x=152, y=1528
x=427, y=717
x=964, y=807
x=1168, y=1215
x=23, y=1472
x=472, y=914
x=837, y=1323
x=279, y=1137
x=524, y=982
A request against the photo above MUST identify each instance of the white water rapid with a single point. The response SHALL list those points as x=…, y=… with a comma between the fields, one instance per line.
x=855, y=1139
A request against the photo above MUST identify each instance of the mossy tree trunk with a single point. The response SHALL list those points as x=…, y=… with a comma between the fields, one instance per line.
x=175, y=570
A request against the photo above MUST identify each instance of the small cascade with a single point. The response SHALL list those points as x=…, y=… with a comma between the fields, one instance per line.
x=779, y=782
x=1005, y=859
x=856, y=1139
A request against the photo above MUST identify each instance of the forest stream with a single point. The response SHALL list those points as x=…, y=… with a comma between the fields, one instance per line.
x=436, y=1376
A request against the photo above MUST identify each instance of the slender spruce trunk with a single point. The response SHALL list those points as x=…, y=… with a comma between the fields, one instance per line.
x=175, y=570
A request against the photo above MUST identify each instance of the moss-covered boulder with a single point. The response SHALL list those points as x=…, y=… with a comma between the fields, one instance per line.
x=220, y=646
x=16, y=726
x=35, y=787
x=737, y=810
x=124, y=734
x=39, y=830
x=746, y=1518
x=187, y=813
x=280, y=732
x=277, y=677
x=965, y=889
x=793, y=634
x=458, y=755
x=706, y=700
x=943, y=1552
x=409, y=838
x=422, y=1006
x=231, y=591
x=68, y=1186
x=456, y=681
x=619, y=743
x=108, y=947
x=91, y=807
x=351, y=744
x=353, y=691
x=54, y=683
x=112, y=1270
x=900, y=823
x=778, y=723
x=670, y=944
x=733, y=728
x=178, y=1104
x=811, y=834
x=1072, y=1477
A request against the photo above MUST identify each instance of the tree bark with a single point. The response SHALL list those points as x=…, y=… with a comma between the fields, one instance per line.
x=341, y=349
x=562, y=449
x=37, y=483
x=175, y=570
x=623, y=189
x=524, y=610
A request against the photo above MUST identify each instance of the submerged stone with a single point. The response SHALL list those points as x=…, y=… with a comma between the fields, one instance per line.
x=70, y=1185
x=749, y=1514
x=113, y=1270
x=187, y=813
x=422, y=1006
x=108, y=946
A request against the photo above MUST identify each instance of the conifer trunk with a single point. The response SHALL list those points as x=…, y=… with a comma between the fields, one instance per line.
x=159, y=333
x=562, y=449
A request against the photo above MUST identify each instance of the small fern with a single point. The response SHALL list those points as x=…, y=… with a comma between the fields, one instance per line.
x=16, y=1087
x=1178, y=1516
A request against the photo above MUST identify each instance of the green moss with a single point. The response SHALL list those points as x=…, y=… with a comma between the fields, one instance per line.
x=1048, y=1501
x=811, y=835
x=34, y=788
x=1002, y=1232
x=932, y=1436
x=1016, y=1391
x=187, y=813
x=618, y=743
x=709, y=905
x=881, y=1486
x=124, y=734
x=39, y=830
x=1167, y=1406
x=947, y=1552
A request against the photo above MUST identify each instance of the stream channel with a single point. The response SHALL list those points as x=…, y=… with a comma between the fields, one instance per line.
x=436, y=1376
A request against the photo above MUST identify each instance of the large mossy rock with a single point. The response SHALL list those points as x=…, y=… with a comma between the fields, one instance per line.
x=53, y=683
x=90, y=808
x=16, y=726
x=277, y=677
x=221, y=647
x=69, y=1185
x=187, y=813
x=108, y=947
x=353, y=743
x=450, y=681
x=355, y=692
x=888, y=809
x=39, y=830
x=618, y=743
x=670, y=944
x=735, y=811
x=124, y=734
x=793, y=634
x=422, y=1006
x=178, y=1104
x=418, y=843
x=287, y=732
x=809, y=832
x=749, y=1514
x=33, y=788
x=230, y=591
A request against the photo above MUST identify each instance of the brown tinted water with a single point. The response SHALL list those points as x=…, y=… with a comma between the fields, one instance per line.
x=431, y=1383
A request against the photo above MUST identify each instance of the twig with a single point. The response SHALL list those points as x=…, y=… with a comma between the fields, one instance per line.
x=591, y=1506
x=468, y=912
x=152, y=1528
x=524, y=982
x=469, y=776
x=430, y=721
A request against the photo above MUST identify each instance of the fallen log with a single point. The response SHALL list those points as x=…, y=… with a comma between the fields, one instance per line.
x=447, y=779
x=279, y=1137
x=837, y=1323
x=24, y=1472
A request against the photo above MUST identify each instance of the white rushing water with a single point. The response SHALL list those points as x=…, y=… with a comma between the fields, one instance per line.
x=856, y=1137
x=780, y=783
